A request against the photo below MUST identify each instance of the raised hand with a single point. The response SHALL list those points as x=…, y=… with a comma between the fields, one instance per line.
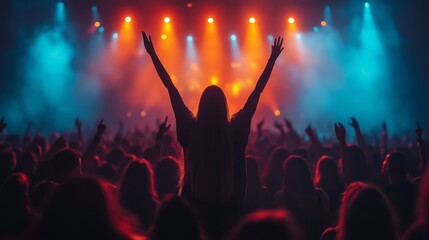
x=78, y=123
x=340, y=133
x=2, y=124
x=276, y=48
x=163, y=128
x=419, y=132
x=147, y=40
x=354, y=123
x=101, y=127
x=309, y=129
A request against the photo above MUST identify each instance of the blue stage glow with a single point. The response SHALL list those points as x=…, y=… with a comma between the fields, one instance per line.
x=189, y=38
x=115, y=36
x=233, y=37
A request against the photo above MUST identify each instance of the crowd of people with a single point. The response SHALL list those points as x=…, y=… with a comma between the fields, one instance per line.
x=212, y=177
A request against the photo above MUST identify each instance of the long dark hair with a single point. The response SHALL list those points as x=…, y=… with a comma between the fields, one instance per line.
x=366, y=214
x=209, y=164
x=137, y=192
x=82, y=208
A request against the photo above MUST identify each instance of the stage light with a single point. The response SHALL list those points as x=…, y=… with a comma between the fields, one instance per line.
x=189, y=5
x=270, y=38
x=189, y=38
x=291, y=20
x=115, y=35
x=97, y=24
x=298, y=36
x=252, y=20
x=164, y=36
x=323, y=23
x=167, y=19
x=210, y=20
x=143, y=114
x=128, y=19
x=233, y=37
x=277, y=113
x=214, y=80
x=235, y=88
x=101, y=29
x=94, y=8
x=315, y=29
x=367, y=5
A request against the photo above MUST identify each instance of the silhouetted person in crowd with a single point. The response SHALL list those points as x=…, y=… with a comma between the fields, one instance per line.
x=329, y=180
x=137, y=193
x=7, y=165
x=214, y=144
x=420, y=229
x=274, y=170
x=167, y=176
x=66, y=163
x=40, y=193
x=308, y=205
x=82, y=208
x=14, y=210
x=257, y=196
x=400, y=191
x=115, y=156
x=107, y=172
x=175, y=219
x=365, y=214
x=353, y=160
x=27, y=164
x=273, y=225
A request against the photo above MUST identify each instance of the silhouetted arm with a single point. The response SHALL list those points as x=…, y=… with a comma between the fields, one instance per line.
x=175, y=98
x=423, y=157
x=315, y=145
x=89, y=153
x=252, y=101
x=361, y=143
x=163, y=128
x=78, y=124
x=340, y=133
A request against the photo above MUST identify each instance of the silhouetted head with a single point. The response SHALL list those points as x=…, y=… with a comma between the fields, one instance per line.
x=359, y=168
x=115, y=156
x=40, y=193
x=81, y=208
x=137, y=193
x=274, y=169
x=366, y=214
x=175, y=219
x=14, y=205
x=14, y=194
x=327, y=173
x=213, y=106
x=7, y=164
x=27, y=164
x=167, y=176
x=396, y=166
x=42, y=142
x=296, y=176
x=107, y=172
x=273, y=225
x=66, y=163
